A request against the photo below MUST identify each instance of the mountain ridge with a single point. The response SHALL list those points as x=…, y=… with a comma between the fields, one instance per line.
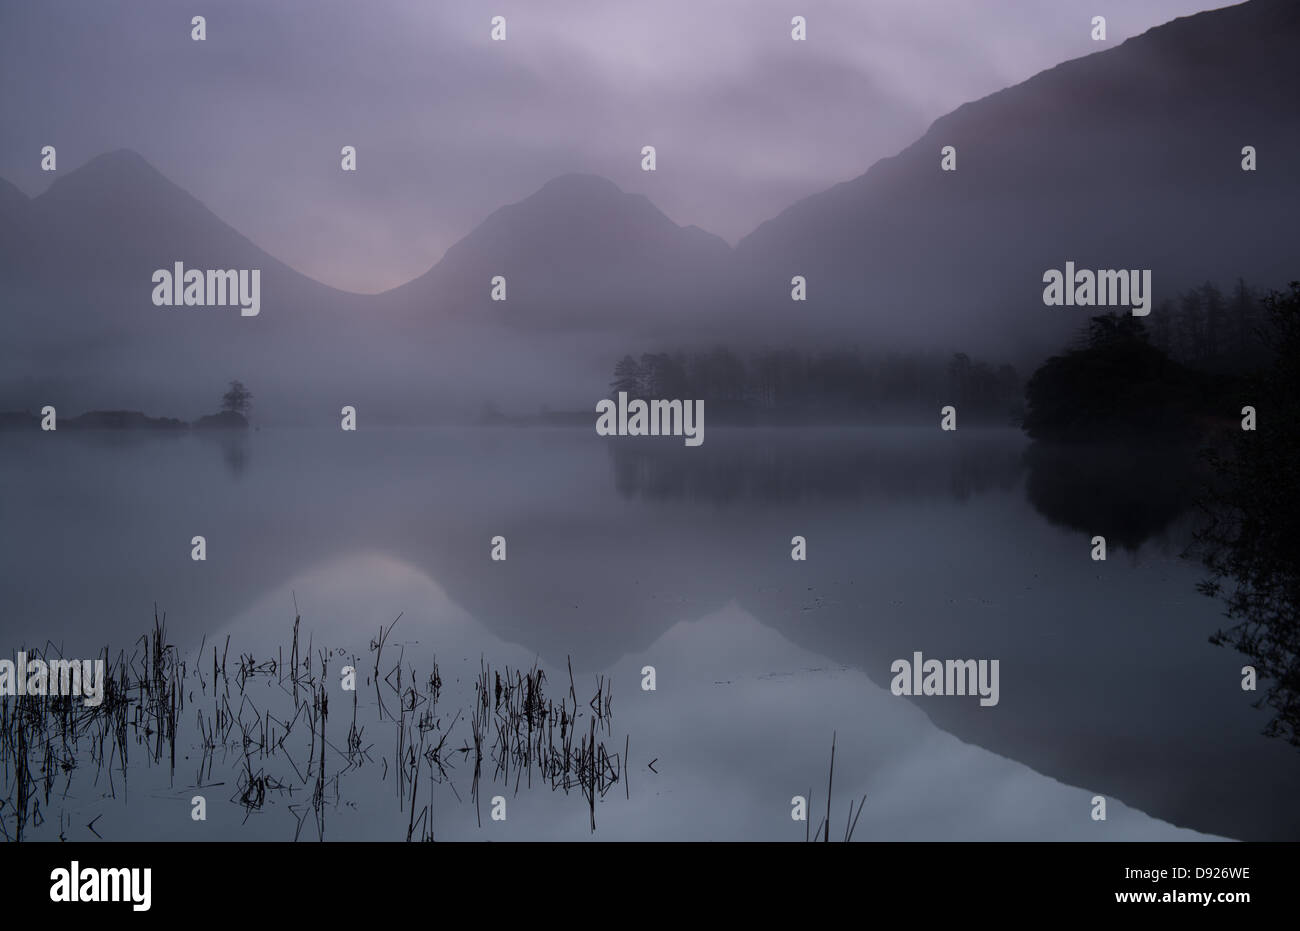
x=1094, y=160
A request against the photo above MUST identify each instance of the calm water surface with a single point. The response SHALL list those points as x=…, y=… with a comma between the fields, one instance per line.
x=646, y=553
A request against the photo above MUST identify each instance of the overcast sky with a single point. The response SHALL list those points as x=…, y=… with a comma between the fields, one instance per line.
x=450, y=125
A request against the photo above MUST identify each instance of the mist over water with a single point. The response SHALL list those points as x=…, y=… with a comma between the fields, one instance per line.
x=626, y=553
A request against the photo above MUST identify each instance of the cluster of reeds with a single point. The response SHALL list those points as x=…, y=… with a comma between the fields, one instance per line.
x=45, y=737
x=532, y=731
x=277, y=740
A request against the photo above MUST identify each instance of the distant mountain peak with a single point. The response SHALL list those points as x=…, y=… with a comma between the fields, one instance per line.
x=121, y=157
x=579, y=249
x=119, y=164
x=580, y=184
x=590, y=196
x=121, y=176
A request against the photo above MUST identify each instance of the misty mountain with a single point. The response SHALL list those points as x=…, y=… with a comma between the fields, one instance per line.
x=116, y=218
x=80, y=329
x=83, y=332
x=1127, y=158
x=588, y=269
x=579, y=253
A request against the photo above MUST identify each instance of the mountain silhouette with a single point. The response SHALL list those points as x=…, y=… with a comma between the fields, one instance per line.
x=579, y=252
x=1127, y=158
x=84, y=331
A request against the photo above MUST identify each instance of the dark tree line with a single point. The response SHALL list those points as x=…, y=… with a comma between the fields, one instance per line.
x=1170, y=375
x=1204, y=328
x=1248, y=540
x=840, y=383
x=1116, y=385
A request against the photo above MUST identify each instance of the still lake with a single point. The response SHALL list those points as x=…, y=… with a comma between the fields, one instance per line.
x=623, y=554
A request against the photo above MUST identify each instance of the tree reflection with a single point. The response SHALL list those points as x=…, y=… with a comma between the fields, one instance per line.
x=1248, y=537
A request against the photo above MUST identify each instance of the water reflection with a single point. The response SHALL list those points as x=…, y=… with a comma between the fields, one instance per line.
x=923, y=541
x=234, y=450
x=1127, y=494
x=739, y=723
x=796, y=465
